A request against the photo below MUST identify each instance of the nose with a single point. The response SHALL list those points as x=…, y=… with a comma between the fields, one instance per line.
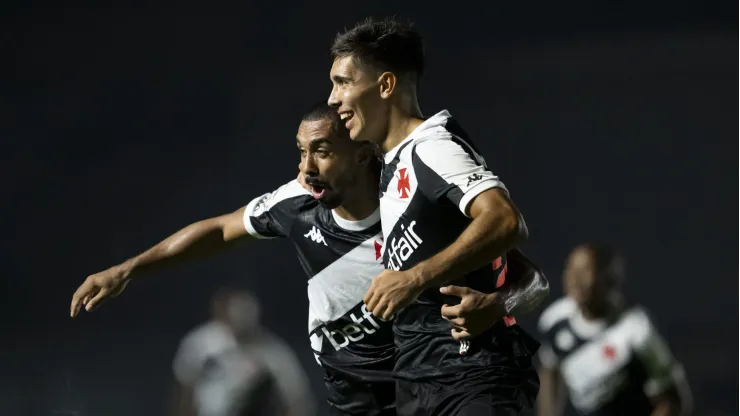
x=333, y=98
x=308, y=166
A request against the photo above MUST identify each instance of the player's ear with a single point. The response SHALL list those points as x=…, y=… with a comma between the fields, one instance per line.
x=388, y=83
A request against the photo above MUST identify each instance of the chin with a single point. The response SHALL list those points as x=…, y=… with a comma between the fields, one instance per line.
x=330, y=203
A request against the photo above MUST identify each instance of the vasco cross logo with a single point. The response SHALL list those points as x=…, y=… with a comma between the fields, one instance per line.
x=474, y=178
x=316, y=236
x=403, y=184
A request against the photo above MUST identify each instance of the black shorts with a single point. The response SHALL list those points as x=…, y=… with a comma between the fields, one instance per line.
x=495, y=377
x=485, y=392
x=350, y=397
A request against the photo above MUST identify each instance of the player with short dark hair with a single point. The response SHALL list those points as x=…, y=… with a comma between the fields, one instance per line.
x=606, y=353
x=447, y=219
x=334, y=223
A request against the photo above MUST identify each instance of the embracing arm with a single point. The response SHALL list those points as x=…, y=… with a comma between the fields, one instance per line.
x=527, y=289
x=496, y=227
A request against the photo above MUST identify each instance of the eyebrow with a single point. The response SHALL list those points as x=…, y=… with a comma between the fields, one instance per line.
x=315, y=143
x=340, y=78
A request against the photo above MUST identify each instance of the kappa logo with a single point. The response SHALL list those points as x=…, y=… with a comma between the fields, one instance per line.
x=474, y=178
x=316, y=236
x=403, y=184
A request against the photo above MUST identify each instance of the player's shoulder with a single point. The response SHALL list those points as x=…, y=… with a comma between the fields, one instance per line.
x=291, y=192
x=636, y=323
x=207, y=337
x=556, y=312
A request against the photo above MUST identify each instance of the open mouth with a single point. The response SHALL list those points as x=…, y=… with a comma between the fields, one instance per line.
x=317, y=191
x=346, y=117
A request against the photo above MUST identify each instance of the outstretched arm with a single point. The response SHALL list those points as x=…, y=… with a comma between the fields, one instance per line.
x=268, y=216
x=197, y=240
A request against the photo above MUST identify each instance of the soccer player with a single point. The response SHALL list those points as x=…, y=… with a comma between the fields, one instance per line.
x=606, y=352
x=233, y=366
x=446, y=218
x=334, y=224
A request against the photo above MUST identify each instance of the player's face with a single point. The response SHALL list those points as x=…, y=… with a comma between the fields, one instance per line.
x=327, y=161
x=356, y=94
x=580, y=280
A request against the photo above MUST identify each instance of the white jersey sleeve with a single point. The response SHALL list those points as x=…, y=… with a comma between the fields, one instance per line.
x=272, y=214
x=558, y=311
x=450, y=168
x=662, y=370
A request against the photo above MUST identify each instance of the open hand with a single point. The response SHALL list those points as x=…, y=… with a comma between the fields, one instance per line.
x=98, y=287
x=476, y=312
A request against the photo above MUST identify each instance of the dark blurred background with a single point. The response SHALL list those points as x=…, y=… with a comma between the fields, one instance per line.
x=607, y=120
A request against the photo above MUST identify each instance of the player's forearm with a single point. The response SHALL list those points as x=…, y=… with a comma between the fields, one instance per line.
x=195, y=241
x=525, y=294
x=551, y=398
x=489, y=236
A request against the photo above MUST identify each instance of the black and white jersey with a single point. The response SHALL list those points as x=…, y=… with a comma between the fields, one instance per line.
x=610, y=367
x=427, y=183
x=340, y=258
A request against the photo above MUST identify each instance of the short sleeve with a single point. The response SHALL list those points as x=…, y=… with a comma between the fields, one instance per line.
x=448, y=168
x=272, y=214
x=550, y=317
x=662, y=370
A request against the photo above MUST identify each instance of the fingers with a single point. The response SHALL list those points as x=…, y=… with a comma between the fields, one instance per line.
x=95, y=301
x=369, y=299
x=79, y=298
x=458, y=291
x=460, y=334
x=451, y=311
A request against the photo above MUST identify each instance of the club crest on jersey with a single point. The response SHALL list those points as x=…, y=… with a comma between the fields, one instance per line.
x=404, y=187
x=400, y=249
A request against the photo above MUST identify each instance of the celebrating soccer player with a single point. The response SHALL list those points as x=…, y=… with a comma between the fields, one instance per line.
x=447, y=220
x=333, y=221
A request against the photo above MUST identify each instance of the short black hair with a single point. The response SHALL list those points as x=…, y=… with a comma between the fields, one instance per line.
x=323, y=111
x=390, y=44
x=608, y=262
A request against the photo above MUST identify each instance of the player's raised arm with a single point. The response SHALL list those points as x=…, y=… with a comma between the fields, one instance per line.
x=268, y=216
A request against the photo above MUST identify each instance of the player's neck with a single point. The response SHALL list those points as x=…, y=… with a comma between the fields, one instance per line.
x=401, y=123
x=360, y=202
x=604, y=310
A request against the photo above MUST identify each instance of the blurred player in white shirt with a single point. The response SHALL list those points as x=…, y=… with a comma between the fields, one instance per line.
x=605, y=354
x=231, y=366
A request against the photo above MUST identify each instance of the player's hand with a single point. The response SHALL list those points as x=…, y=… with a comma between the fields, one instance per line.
x=391, y=291
x=476, y=312
x=97, y=288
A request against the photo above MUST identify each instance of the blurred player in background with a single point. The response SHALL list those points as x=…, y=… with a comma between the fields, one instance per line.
x=232, y=366
x=602, y=352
